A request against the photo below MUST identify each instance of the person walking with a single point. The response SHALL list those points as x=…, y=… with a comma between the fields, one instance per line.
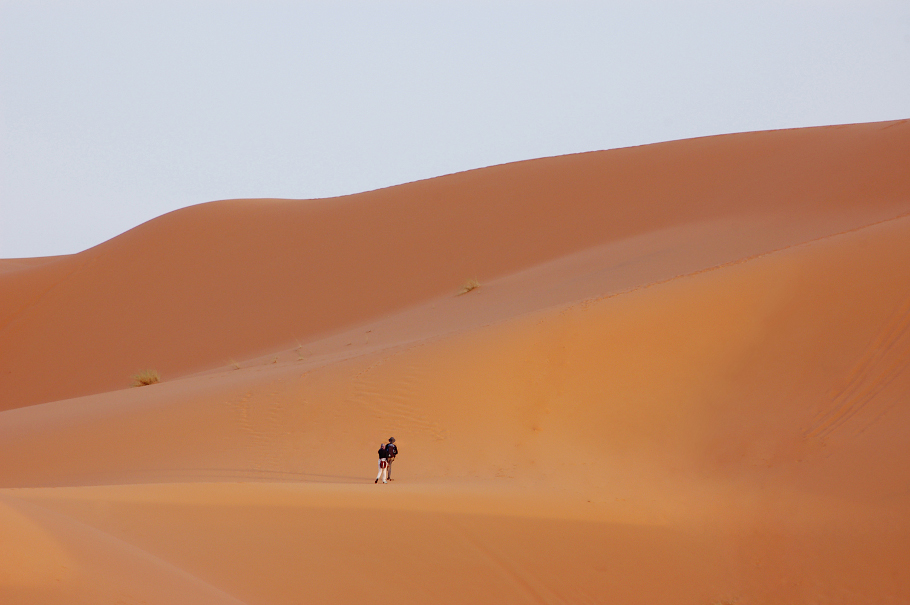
x=383, y=464
x=391, y=451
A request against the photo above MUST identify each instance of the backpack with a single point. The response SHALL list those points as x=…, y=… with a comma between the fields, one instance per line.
x=392, y=450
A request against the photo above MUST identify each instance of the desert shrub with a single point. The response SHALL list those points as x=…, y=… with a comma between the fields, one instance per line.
x=145, y=378
x=471, y=284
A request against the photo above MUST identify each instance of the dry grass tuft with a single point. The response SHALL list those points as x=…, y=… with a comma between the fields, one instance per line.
x=275, y=359
x=145, y=378
x=235, y=364
x=471, y=284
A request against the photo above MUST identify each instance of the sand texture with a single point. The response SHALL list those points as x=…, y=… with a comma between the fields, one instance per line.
x=683, y=379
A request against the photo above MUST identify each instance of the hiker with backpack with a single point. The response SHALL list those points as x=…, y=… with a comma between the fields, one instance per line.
x=391, y=451
x=383, y=463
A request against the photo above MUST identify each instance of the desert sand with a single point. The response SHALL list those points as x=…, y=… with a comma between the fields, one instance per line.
x=683, y=379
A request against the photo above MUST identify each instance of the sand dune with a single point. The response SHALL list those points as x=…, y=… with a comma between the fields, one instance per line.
x=194, y=288
x=683, y=379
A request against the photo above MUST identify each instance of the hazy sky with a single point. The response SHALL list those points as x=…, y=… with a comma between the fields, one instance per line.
x=112, y=113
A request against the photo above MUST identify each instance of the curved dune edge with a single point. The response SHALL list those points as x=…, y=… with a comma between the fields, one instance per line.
x=51, y=558
x=193, y=289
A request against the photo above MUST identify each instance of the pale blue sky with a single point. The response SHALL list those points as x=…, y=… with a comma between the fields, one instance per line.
x=112, y=113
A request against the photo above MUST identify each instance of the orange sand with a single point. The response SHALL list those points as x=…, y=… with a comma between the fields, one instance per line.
x=683, y=380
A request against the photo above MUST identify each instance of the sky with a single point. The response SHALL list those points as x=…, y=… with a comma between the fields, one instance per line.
x=113, y=113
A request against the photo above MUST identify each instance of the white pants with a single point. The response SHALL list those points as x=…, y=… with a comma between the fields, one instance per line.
x=383, y=469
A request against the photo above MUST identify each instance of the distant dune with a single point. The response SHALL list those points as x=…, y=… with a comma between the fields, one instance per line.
x=683, y=379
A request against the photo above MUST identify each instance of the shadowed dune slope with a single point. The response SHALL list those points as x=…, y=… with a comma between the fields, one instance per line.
x=235, y=279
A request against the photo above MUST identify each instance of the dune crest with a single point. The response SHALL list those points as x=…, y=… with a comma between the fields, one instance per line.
x=230, y=280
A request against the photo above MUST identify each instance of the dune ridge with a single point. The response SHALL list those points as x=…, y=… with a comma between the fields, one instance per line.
x=683, y=385
x=169, y=293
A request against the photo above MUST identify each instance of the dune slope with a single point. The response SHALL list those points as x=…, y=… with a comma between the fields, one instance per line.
x=712, y=430
x=229, y=280
x=702, y=402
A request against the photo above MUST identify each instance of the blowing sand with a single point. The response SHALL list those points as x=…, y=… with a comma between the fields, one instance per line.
x=681, y=380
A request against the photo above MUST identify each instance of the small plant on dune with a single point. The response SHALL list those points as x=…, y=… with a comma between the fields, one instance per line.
x=471, y=284
x=235, y=365
x=275, y=359
x=145, y=378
